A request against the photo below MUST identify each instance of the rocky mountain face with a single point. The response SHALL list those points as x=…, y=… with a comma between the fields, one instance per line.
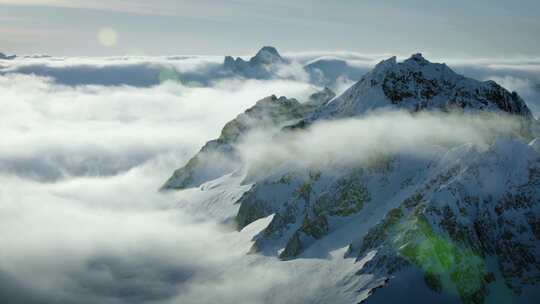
x=460, y=225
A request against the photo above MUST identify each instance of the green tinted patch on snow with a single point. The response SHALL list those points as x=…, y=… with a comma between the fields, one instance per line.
x=448, y=266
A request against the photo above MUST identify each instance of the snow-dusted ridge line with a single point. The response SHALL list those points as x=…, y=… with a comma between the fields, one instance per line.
x=417, y=84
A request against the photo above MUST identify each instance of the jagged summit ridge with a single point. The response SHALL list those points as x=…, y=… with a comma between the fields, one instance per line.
x=418, y=58
x=418, y=84
x=259, y=66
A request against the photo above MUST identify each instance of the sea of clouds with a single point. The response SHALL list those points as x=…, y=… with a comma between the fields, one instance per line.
x=87, y=143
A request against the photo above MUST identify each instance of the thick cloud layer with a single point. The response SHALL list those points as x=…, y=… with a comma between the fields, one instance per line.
x=81, y=220
x=133, y=71
x=52, y=131
x=353, y=142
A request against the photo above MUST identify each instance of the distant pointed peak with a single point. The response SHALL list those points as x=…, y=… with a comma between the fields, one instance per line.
x=267, y=55
x=268, y=49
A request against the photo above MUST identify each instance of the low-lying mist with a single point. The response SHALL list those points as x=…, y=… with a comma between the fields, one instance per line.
x=52, y=131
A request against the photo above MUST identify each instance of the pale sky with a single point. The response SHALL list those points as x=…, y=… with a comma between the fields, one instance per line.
x=456, y=28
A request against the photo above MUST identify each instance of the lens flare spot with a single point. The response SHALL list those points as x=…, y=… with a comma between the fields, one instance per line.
x=107, y=37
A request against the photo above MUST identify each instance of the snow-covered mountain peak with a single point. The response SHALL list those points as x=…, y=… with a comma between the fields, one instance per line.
x=418, y=84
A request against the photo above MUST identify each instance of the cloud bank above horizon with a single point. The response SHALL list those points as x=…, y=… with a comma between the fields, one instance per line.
x=339, y=70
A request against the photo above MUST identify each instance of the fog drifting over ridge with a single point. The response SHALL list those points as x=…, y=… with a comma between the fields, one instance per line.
x=359, y=141
x=81, y=220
